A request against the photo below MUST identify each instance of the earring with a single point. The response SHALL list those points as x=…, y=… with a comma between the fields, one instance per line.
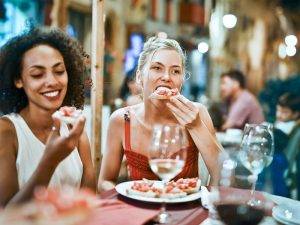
x=18, y=84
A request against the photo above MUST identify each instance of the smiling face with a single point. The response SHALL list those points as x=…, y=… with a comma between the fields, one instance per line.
x=163, y=69
x=43, y=77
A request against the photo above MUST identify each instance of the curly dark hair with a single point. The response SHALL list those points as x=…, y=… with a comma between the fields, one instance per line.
x=13, y=99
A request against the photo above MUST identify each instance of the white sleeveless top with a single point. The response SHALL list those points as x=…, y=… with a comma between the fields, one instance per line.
x=30, y=151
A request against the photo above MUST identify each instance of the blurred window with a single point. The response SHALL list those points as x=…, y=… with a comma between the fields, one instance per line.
x=14, y=14
x=133, y=52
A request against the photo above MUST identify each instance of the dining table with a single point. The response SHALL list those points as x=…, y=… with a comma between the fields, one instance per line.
x=79, y=207
x=186, y=213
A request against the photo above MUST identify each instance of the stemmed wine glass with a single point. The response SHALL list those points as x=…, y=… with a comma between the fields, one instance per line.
x=257, y=149
x=227, y=202
x=167, y=155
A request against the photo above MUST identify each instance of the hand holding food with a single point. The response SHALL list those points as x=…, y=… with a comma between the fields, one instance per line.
x=58, y=147
x=185, y=111
x=68, y=114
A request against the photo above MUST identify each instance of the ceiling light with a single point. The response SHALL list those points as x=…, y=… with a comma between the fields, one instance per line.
x=229, y=21
x=203, y=47
x=291, y=40
x=291, y=50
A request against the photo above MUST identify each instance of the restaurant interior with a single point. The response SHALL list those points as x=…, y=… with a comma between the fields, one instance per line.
x=240, y=69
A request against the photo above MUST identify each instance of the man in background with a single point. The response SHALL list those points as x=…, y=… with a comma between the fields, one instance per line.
x=242, y=106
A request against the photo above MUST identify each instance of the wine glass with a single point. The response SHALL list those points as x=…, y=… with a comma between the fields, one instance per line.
x=257, y=149
x=167, y=155
x=228, y=201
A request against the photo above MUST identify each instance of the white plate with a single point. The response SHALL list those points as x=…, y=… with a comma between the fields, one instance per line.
x=122, y=189
x=287, y=214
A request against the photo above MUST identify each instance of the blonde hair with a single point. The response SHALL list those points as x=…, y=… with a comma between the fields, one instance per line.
x=154, y=44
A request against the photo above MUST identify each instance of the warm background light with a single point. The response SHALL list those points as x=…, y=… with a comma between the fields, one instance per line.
x=291, y=50
x=203, y=47
x=282, y=51
x=229, y=21
x=291, y=40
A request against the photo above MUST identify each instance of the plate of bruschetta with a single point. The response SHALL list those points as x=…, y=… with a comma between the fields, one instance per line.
x=182, y=190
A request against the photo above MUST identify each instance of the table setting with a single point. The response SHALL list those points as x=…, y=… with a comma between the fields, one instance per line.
x=184, y=201
x=231, y=202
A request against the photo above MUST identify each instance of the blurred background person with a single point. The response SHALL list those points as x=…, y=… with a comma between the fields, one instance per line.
x=288, y=121
x=215, y=112
x=276, y=171
x=130, y=91
x=287, y=112
x=241, y=106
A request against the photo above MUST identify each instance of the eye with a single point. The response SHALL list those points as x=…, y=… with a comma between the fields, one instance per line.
x=157, y=68
x=59, y=72
x=37, y=75
x=176, y=72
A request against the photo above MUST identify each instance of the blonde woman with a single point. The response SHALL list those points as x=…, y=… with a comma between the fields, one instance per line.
x=161, y=64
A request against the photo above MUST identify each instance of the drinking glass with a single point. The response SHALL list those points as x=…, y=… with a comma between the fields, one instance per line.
x=228, y=201
x=257, y=149
x=167, y=155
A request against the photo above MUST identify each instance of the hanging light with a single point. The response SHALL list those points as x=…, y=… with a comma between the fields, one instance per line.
x=162, y=35
x=203, y=47
x=291, y=50
x=229, y=21
x=291, y=40
x=282, y=51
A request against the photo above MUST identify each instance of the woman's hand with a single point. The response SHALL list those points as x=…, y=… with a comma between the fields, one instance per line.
x=59, y=147
x=185, y=111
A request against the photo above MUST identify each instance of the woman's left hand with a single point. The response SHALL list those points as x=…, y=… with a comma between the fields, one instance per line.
x=185, y=111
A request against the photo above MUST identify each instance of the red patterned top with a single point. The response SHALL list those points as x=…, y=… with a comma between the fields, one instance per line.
x=138, y=165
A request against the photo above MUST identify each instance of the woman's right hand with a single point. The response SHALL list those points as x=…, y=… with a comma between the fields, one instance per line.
x=59, y=147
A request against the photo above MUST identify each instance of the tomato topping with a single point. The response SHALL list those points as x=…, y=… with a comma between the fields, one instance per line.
x=67, y=111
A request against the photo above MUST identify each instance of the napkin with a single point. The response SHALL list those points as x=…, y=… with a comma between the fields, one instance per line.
x=205, y=199
x=115, y=212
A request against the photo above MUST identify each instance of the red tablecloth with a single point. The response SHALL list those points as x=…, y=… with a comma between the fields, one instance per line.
x=189, y=213
x=182, y=213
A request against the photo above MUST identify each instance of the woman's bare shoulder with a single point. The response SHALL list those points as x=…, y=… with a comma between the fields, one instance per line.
x=8, y=136
x=118, y=116
x=6, y=126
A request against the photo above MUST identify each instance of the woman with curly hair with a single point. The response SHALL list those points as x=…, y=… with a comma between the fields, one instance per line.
x=40, y=71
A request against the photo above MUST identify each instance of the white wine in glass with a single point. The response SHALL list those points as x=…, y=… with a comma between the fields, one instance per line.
x=166, y=169
x=167, y=155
